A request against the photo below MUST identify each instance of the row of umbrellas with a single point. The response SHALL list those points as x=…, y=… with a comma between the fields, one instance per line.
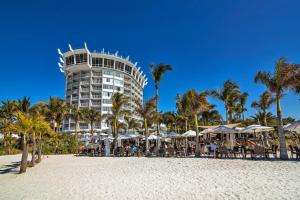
x=293, y=127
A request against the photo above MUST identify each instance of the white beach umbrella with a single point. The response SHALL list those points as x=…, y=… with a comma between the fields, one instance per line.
x=190, y=133
x=256, y=129
x=293, y=127
x=152, y=137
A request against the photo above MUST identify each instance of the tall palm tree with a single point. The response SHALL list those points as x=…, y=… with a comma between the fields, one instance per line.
x=197, y=103
x=91, y=116
x=6, y=115
x=182, y=110
x=76, y=114
x=23, y=126
x=23, y=105
x=157, y=72
x=228, y=94
x=283, y=78
x=147, y=112
x=118, y=111
x=56, y=111
x=242, y=102
x=263, y=104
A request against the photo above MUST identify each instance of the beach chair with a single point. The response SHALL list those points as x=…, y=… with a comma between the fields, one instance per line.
x=273, y=151
x=292, y=151
x=235, y=151
x=258, y=151
x=223, y=151
x=297, y=152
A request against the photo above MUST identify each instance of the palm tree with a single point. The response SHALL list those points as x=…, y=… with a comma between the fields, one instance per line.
x=131, y=123
x=23, y=126
x=263, y=117
x=6, y=115
x=91, y=116
x=283, y=78
x=242, y=102
x=41, y=127
x=76, y=114
x=228, y=94
x=211, y=115
x=56, y=110
x=265, y=101
x=157, y=74
x=182, y=110
x=118, y=111
x=197, y=103
x=147, y=112
x=24, y=105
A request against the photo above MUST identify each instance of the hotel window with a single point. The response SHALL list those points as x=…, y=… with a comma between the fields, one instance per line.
x=108, y=63
x=119, y=66
x=128, y=69
x=108, y=109
x=108, y=72
x=107, y=94
x=81, y=58
x=119, y=82
x=106, y=101
x=97, y=62
x=107, y=86
x=70, y=60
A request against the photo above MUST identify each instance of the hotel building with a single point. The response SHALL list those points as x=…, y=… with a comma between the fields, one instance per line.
x=93, y=77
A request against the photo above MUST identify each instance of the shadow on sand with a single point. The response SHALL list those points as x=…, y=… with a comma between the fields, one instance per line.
x=12, y=168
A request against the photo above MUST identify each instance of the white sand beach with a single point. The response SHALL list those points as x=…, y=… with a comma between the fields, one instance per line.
x=70, y=177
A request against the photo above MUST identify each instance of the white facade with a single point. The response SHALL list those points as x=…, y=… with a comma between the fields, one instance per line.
x=92, y=79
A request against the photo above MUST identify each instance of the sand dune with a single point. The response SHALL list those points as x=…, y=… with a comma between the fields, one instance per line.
x=70, y=177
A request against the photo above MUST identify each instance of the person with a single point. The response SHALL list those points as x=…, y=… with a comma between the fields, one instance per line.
x=201, y=145
x=213, y=148
x=135, y=150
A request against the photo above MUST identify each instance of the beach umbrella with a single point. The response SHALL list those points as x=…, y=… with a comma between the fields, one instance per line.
x=171, y=134
x=293, y=127
x=190, y=133
x=152, y=137
x=256, y=129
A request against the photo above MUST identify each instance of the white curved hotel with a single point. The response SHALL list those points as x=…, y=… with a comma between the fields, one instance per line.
x=93, y=77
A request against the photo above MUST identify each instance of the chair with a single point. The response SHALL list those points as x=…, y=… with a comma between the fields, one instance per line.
x=258, y=151
x=170, y=152
x=235, y=151
x=297, y=152
x=292, y=151
x=223, y=151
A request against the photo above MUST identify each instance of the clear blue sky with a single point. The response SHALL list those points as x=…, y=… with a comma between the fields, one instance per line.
x=207, y=42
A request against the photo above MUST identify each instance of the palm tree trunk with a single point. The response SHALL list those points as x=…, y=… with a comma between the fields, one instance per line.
x=265, y=118
x=39, y=150
x=226, y=110
x=197, y=152
x=116, y=137
x=157, y=122
x=186, y=125
x=146, y=138
x=76, y=136
x=33, y=151
x=283, y=150
x=23, y=166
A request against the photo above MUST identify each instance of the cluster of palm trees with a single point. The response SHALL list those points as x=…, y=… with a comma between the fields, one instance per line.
x=29, y=123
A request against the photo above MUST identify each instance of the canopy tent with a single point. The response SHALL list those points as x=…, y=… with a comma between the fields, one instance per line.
x=293, y=127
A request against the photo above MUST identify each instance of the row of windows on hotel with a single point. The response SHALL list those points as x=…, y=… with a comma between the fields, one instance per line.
x=109, y=63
